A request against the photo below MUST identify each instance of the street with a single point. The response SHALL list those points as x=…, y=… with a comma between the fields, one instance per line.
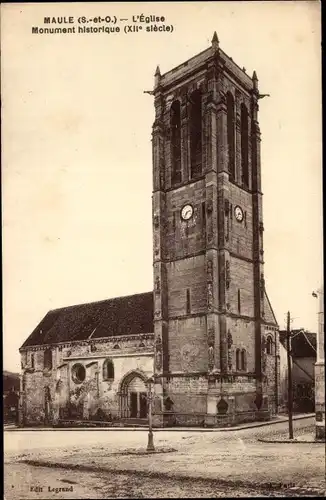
x=114, y=464
x=112, y=485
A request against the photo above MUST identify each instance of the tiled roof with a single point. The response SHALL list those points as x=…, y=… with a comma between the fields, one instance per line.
x=197, y=61
x=269, y=313
x=303, y=344
x=129, y=315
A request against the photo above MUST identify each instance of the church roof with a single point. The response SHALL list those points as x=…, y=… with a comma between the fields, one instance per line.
x=129, y=315
x=199, y=60
x=269, y=313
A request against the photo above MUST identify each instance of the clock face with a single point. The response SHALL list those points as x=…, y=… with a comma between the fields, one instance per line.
x=187, y=212
x=238, y=213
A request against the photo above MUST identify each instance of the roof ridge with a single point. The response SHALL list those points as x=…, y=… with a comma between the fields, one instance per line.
x=127, y=314
x=98, y=301
x=174, y=69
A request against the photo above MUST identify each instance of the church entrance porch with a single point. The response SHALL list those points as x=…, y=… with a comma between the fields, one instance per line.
x=133, y=397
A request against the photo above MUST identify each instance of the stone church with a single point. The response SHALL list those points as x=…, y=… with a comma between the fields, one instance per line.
x=207, y=331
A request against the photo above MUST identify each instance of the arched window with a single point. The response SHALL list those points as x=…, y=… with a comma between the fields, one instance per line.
x=195, y=133
x=238, y=365
x=269, y=345
x=231, y=134
x=243, y=360
x=176, y=142
x=244, y=145
x=47, y=362
x=108, y=370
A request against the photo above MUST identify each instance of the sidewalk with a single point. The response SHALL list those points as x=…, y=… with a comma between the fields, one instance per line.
x=305, y=438
x=251, y=425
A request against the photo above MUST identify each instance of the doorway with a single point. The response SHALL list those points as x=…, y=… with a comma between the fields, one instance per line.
x=133, y=404
x=134, y=397
x=138, y=404
x=143, y=405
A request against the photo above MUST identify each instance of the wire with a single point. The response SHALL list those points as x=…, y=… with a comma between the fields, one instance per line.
x=309, y=342
x=297, y=333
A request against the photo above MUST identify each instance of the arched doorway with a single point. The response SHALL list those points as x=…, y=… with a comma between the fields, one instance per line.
x=133, y=396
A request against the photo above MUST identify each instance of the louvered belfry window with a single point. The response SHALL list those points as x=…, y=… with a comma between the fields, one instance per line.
x=196, y=133
x=176, y=142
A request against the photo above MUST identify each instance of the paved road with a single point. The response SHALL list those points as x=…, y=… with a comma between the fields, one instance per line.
x=233, y=463
x=113, y=485
x=17, y=442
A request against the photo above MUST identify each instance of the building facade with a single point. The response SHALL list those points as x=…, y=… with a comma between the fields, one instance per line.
x=10, y=395
x=89, y=362
x=320, y=371
x=303, y=359
x=211, y=311
x=212, y=343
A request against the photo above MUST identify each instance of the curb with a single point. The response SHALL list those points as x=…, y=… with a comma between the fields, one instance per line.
x=263, y=424
x=289, y=441
x=168, y=475
x=158, y=429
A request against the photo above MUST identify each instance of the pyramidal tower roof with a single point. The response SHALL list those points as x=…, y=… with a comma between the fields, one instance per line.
x=199, y=61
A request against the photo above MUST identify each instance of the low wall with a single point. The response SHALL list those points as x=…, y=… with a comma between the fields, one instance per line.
x=177, y=419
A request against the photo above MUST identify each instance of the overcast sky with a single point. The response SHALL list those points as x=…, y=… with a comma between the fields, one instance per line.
x=77, y=171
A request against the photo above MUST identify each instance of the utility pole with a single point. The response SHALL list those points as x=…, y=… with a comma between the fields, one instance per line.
x=290, y=399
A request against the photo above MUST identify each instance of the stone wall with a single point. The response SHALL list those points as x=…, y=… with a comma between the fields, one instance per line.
x=182, y=238
x=272, y=363
x=196, y=401
x=183, y=275
x=49, y=395
x=241, y=234
x=320, y=400
x=320, y=371
x=188, y=345
x=243, y=337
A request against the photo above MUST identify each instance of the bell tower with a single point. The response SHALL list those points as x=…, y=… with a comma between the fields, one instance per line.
x=209, y=288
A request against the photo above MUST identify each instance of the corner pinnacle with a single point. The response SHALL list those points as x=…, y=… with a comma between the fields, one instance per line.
x=215, y=39
x=157, y=77
x=255, y=80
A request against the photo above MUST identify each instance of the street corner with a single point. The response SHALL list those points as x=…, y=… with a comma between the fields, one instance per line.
x=307, y=438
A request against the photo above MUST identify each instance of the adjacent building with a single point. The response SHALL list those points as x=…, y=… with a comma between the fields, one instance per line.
x=303, y=359
x=10, y=396
x=320, y=371
x=207, y=331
